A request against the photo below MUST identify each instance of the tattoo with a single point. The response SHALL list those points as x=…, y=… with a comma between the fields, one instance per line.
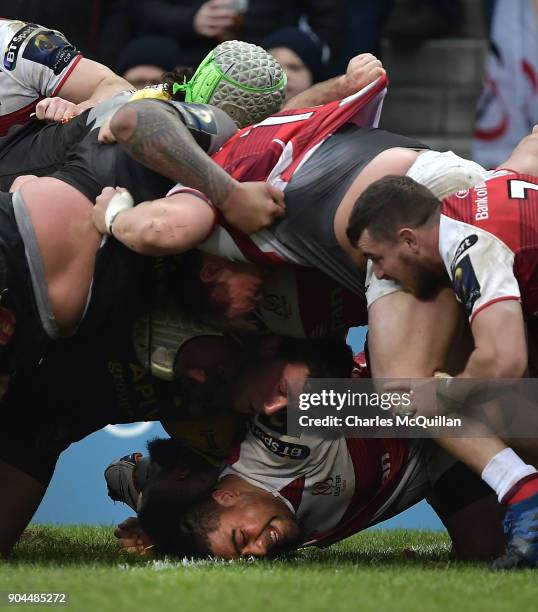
x=159, y=140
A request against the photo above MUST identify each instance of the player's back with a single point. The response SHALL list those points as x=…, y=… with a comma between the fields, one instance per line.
x=505, y=206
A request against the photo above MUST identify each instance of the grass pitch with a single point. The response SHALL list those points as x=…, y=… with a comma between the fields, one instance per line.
x=377, y=570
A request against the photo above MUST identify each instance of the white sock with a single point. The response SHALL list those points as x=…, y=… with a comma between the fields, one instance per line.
x=504, y=471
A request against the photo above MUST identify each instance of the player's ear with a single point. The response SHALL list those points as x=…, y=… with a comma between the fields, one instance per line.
x=226, y=497
x=409, y=237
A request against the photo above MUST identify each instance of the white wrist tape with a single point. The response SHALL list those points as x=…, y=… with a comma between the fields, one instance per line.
x=119, y=202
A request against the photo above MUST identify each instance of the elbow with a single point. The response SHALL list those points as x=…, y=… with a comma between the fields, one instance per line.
x=126, y=119
x=503, y=366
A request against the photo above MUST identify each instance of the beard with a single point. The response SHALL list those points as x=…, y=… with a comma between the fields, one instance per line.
x=426, y=280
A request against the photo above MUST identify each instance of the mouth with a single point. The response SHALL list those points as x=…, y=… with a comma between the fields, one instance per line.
x=274, y=534
x=275, y=539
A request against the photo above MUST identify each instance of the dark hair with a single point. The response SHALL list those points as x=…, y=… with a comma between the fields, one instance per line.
x=328, y=357
x=389, y=204
x=180, y=530
x=180, y=74
x=194, y=296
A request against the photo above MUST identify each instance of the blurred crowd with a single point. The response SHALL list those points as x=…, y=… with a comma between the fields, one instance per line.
x=314, y=39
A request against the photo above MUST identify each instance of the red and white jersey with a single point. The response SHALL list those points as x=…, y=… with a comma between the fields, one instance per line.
x=305, y=303
x=272, y=151
x=333, y=486
x=488, y=239
x=36, y=62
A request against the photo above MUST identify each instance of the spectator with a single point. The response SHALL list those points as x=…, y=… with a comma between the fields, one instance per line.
x=412, y=21
x=79, y=23
x=199, y=26
x=143, y=60
x=300, y=55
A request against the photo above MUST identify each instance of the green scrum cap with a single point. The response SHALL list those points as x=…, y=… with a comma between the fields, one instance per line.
x=240, y=78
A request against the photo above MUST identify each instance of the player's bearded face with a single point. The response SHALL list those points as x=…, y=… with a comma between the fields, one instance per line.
x=422, y=278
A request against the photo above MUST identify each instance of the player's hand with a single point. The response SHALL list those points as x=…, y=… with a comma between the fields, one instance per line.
x=132, y=539
x=424, y=400
x=105, y=133
x=362, y=70
x=214, y=18
x=56, y=109
x=252, y=206
x=101, y=205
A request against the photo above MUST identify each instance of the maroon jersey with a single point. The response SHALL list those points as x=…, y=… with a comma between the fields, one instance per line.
x=305, y=303
x=254, y=152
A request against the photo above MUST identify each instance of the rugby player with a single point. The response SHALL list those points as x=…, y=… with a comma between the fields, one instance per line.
x=319, y=152
x=84, y=383
x=52, y=213
x=405, y=338
x=48, y=236
x=483, y=241
x=279, y=492
x=38, y=66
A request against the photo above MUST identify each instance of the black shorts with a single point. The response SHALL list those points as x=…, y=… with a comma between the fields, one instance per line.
x=456, y=489
x=38, y=148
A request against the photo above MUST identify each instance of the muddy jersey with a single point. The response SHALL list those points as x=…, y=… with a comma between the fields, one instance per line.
x=314, y=154
x=333, y=486
x=36, y=62
x=305, y=303
x=488, y=239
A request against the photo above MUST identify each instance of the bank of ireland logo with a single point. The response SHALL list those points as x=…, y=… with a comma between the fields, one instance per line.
x=131, y=430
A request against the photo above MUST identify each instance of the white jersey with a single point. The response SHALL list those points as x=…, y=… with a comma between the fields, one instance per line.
x=488, y=239
x=36, y=62
x=333, y=486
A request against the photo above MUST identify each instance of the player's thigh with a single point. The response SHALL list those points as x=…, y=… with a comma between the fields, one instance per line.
x=412, y=338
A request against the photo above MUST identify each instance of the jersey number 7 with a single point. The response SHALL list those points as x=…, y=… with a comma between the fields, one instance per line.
x=518, y=189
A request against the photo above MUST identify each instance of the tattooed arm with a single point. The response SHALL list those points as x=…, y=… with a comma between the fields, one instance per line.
x=153, y=134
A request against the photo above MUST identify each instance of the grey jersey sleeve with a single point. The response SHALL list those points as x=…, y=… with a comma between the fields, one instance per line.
x=209, y=126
